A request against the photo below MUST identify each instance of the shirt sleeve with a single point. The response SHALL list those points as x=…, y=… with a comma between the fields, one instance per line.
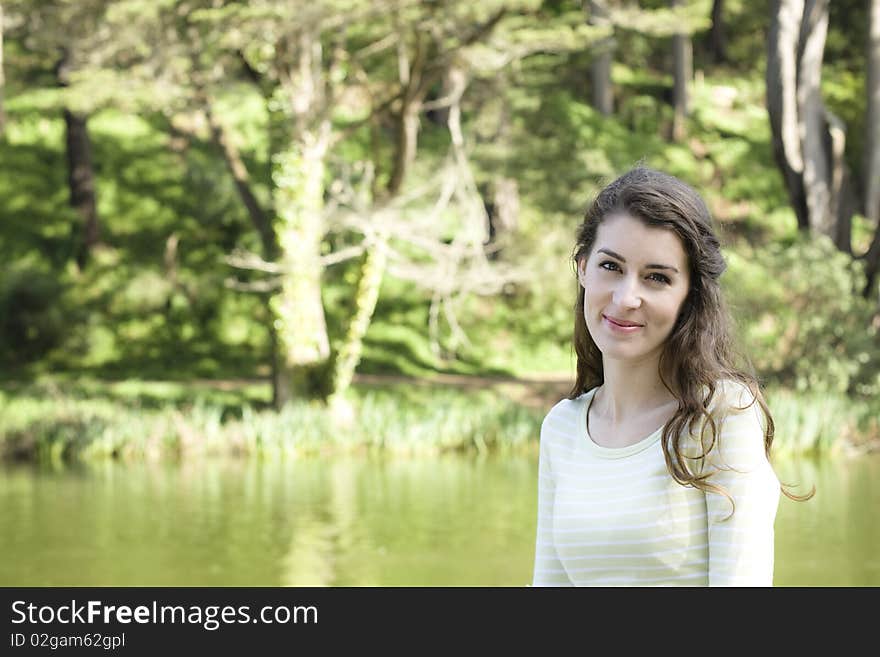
x=741, y=546
x=549, y=570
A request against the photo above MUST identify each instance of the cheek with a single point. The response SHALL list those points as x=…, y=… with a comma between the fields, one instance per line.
x=593, y=287
x=591, y=300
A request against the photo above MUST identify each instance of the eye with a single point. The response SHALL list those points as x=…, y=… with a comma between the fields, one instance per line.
x=659, y=278
x=609, y=265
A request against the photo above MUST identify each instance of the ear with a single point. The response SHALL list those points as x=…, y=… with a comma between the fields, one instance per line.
x=581, y=272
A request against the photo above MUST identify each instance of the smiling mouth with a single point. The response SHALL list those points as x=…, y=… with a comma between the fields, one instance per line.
x=621, y=323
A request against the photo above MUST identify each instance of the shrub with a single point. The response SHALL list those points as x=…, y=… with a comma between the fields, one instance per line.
x=31, y=317
x=802, y=320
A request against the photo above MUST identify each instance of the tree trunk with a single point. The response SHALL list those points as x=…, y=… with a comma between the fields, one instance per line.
x=349, y=354
x=304, y=347
x=718, y=34
x=415, y=85
x=872, y=264
x=808, y=140
x=872, y=151
x=406, y=144
x=240, y=175
x=2, y=79
x=81, y=182
x=300, y=137
x=843, y=197
x=811, y=110
x=600, y=68
x=683, y=72
x=782, y=105
x=80, y=172
x=501, y=200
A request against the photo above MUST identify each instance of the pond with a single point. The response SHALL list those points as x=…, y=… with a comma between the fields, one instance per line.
x=447, y=521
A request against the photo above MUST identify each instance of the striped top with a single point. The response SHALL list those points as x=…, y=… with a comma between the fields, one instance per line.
x=615, y=517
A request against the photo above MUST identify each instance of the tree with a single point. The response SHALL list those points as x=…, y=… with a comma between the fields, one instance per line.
x=2, y=78
x=600, y=69
x=808, y=139
x=305, y=57
x=679, y=21
x=328, y=71
x=682, y=74
x=80, y=167
x=718, y=33
x=872, y=150
x=60, y=33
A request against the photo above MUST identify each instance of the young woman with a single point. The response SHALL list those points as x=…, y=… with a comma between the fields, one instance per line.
x=655, y=470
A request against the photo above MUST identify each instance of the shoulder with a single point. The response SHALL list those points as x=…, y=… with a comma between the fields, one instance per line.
x=735, y=399
x=731, y=396
x=739, y=419
x=566, y=410
x=563, y=420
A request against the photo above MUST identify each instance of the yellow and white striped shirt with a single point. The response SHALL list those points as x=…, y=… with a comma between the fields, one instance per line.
x=615, y=517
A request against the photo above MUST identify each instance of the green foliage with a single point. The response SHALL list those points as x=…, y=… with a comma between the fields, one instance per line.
x=820, y=422
x=843, y=90
x=659, y=19
x=32, y=318
x=132, y=313
x=56, y=420
x=801, y=319
x=126, y=311
x=398, y=420
x=745, y=23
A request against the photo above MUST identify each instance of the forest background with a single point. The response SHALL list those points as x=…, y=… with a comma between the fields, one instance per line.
x=277, y=225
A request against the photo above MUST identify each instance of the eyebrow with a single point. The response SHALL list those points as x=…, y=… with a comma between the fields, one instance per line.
x=622, y=259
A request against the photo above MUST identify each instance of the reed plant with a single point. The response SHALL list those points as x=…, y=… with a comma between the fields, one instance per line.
x=822, y=423
x=414, y=420
x=430, y=422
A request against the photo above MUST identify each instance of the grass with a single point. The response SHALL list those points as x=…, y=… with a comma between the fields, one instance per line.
x=828, y=423
x=56, y=421
x=66, y=425
x=127, y=316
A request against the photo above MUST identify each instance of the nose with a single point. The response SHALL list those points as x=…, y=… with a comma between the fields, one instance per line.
x=626, y=293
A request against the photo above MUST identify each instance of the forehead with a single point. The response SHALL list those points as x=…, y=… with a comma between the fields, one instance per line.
x=639, y=243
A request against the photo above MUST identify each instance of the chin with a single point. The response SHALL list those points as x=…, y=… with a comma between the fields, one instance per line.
x=620, y=350
x=618, y=353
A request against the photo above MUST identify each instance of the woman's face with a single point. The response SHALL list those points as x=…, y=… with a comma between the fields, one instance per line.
x=635, y=279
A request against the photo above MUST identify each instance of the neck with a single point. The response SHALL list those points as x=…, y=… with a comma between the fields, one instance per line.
x=630, y=388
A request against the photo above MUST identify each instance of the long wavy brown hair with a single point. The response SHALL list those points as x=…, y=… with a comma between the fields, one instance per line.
x=699, y=352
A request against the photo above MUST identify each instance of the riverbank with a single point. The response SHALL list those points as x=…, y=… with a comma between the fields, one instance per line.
x=64, y=420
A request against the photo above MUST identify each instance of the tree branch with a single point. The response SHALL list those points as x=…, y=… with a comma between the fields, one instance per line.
x=256, y=286
x=343, y=255
x=245, y=260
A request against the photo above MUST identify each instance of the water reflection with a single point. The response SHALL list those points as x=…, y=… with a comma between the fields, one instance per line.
x=358, y=522
x=833, y=539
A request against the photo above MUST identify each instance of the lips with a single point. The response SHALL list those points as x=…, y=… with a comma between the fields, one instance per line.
x=621, y=322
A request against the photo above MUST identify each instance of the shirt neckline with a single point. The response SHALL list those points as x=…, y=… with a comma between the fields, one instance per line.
x=612, y=452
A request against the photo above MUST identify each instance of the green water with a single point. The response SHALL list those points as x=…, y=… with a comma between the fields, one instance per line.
x=358, y=522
